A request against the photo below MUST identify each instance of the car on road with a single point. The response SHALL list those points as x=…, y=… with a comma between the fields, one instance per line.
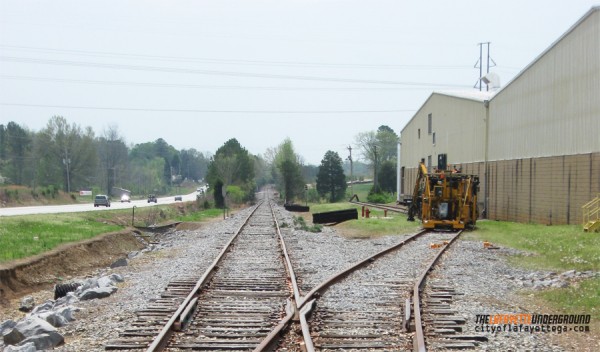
x=178, y=198
x=125, y=198
x=101, y=199
x=152, y=199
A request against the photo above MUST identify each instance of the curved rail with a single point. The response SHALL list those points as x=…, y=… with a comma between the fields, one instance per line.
x=419, y=336
x=402, y=210
x=307, y=303
x=341, y=274
x=186, y=307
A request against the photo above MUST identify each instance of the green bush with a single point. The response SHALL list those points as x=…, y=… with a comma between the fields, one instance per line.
x=235, y=194
x=313, y=196
x=300, y=224
x=379, y=198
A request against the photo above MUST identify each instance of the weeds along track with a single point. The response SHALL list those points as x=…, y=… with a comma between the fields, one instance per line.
x=366, y=309
x=234, y=305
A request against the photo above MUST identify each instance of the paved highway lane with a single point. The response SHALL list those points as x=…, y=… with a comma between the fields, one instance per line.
x=75, y=208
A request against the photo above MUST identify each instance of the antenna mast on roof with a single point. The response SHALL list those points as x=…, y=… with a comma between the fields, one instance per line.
x=479, y=63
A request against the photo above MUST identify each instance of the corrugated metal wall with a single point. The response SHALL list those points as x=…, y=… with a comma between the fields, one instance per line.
x=459, y=128
x=543, y=190
x=553, y=108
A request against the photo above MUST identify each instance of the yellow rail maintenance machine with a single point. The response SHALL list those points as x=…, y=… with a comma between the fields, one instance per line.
x=444, y=199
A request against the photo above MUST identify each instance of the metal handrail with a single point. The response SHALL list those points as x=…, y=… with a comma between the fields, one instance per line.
x=589, y=209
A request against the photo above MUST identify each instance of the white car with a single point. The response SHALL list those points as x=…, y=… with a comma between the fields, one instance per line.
x=125, y=198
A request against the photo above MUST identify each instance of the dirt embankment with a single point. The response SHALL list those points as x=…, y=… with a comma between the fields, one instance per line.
x=27, y=275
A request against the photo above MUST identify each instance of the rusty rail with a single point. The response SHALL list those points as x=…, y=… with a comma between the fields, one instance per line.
x=419, y=342
x=162, y=339
x=402, y=210
x=304, y=312
x=341, y=274
x=292, y=306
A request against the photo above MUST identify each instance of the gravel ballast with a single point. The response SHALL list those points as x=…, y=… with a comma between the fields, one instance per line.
x=488, y=283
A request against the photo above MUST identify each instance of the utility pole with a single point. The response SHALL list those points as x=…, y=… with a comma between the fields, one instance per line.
x=375, y=171
x=351, y=172
x=398, y=171
x=66, y=161
x=479, y=63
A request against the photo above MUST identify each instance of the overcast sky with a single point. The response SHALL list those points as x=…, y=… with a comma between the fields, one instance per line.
x=197, y=73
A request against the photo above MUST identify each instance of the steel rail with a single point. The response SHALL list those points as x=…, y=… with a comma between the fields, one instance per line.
x=341, y=274
x=162, y=339
x=384, y=207
x=419, y=343
x=304, y=312
x=292, y=307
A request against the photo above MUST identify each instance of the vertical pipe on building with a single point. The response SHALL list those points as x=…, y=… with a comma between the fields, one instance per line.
x=398, y=174
x=486, y=104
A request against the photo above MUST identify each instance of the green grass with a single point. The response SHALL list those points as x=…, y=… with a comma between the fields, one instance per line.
x=25, y=236
x=201, y=215
x=376, y=225
x=28, y=235
x=582, y=298
x=559, y=248
x=361, y=190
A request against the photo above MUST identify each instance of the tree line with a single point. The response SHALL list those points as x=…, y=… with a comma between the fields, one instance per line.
x=66, y=156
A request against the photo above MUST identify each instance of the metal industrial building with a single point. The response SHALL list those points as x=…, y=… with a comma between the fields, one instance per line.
x=538, y=137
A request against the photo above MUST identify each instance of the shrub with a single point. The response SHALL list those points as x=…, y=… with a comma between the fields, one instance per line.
x=235, y=194
x=380, y=198
x=300, y=224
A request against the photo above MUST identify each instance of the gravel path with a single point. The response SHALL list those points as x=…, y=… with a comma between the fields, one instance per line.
x=489, y=285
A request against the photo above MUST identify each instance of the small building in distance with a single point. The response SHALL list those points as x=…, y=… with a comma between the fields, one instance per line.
x=535, y=143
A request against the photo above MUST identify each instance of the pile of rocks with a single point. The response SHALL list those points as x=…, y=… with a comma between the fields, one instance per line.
x=37, y=331
x=541, y=280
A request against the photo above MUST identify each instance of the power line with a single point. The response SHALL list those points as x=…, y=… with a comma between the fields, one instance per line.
x=232, y=61
x=210, y=111
x=201, y=86
x=212, y=72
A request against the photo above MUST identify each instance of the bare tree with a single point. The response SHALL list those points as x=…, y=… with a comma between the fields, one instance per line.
x=112, y=152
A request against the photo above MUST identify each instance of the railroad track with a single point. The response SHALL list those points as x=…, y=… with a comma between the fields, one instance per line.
x=436, y=324
x=244, y=299
x=395, y=209
x=248, y=299
x=363, y=309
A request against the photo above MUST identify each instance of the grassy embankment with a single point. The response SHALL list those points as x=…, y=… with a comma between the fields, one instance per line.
x=558, y=248
x=25, y=236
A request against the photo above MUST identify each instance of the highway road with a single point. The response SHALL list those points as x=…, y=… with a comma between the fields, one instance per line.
x=75, y=208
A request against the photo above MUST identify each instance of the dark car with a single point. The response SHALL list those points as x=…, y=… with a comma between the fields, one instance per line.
x=101, y=199
x=178, y=198
x=152, y=199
